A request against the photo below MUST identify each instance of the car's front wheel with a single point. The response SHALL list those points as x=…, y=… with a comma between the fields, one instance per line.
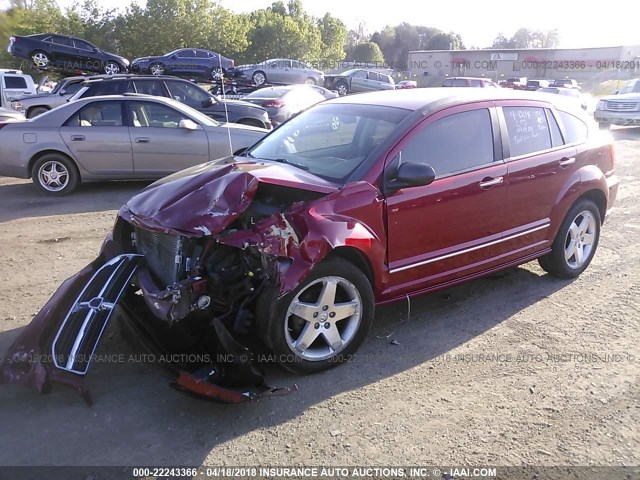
x=111, y=68
x=321, y=322
x=576, y=241
x=35, y=111
x=55, y=174
x=310, y=81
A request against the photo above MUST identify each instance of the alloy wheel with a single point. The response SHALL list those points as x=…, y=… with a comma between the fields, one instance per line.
x=40, y=60
x=53, y=176
x=580, y=240
x=323, y=318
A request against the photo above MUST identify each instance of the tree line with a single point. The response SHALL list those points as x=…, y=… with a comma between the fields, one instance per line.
x=281, y=30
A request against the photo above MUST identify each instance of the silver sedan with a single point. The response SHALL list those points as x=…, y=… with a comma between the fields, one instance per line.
x=280, y=71
x=115, y=137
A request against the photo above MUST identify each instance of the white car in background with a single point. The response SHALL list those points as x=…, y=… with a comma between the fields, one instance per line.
x=621, y=107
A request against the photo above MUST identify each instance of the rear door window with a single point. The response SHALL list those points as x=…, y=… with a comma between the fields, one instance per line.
x=527, y=129
x=150, y=87
x=187, y=93
x=97, y=114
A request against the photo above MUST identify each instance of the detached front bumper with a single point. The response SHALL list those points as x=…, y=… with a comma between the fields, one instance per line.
x=60, y=342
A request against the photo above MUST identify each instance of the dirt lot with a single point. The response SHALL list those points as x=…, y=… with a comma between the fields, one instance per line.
x=564, y=388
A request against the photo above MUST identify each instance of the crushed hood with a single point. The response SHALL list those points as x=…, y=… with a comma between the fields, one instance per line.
x=205, y=199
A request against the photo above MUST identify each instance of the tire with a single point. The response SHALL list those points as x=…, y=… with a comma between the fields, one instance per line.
x=342, y=88
x=217, y=74
x=35, y=111
x=259, y=78
x=282, y=330
x=310, y=81
x=604, y=125
x=156, y=69
x=576, y=241
x=111, y=68
x=40, y=59
x=66, y=177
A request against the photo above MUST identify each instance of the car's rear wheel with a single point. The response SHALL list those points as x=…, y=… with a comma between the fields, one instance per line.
x=55, y=174
x=111, y=68
x=342, y=88
x=604, y=125
x=259, y=78
x=576, y=241
x=35, y=111
x=321, y=322
x=310, y=81
x=157, y=69
x=40, y=59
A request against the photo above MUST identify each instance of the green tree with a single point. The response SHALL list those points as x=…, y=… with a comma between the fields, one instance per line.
x=445, y=41
x=367, y=52
x=333, y=34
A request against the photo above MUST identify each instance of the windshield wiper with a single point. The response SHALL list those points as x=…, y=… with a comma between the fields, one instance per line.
x=293, y=164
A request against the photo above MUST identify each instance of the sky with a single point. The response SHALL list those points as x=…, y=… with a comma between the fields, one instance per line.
x=477, y=22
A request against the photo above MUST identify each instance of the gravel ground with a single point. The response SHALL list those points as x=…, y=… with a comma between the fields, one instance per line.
x=515, y=369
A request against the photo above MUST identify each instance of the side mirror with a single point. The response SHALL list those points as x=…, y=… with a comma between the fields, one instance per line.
x=174, y=56
x=209, y=101
x=188, y=124
x=411, y=174
x=239, y=152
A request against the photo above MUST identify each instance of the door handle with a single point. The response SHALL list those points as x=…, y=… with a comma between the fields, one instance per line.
x=77, y=138
x=142, y=140
x=565, y=162
x=490, y=182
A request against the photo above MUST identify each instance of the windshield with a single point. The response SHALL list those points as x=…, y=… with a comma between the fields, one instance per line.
x=330, y=140
x=631, y=86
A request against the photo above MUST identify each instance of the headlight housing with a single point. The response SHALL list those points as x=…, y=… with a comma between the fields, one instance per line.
x=16, y=105
x=602, y=104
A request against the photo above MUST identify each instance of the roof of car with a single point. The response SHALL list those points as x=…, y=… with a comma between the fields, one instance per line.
x=117, y=76
x=423, y=98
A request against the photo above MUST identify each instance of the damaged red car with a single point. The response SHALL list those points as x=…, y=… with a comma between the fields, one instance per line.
x=356, y=202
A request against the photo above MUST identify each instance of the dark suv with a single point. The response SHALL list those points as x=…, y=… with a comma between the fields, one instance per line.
x=184, y=91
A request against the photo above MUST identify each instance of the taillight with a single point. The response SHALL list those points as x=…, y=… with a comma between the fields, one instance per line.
x=233, y=64
x=273, y=103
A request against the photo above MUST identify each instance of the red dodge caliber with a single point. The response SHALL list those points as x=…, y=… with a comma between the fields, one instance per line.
x=358, y=201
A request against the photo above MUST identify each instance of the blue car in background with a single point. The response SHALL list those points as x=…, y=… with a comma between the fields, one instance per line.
x=185, y=62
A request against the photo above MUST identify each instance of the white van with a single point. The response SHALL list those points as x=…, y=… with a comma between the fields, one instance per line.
x=14, y=84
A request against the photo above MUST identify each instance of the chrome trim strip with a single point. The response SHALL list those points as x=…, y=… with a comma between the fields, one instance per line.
x=68, y=366
x=467, y=250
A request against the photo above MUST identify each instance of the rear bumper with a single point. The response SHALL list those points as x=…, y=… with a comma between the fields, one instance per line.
x=612, y=185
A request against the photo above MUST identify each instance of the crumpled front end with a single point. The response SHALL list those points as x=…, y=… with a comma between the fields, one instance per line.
x=189, y=258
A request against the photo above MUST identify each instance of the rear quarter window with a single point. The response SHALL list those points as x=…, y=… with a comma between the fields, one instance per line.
x=575, y=130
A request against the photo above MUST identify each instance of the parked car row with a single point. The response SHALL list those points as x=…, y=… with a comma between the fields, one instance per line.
x=72, y=54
